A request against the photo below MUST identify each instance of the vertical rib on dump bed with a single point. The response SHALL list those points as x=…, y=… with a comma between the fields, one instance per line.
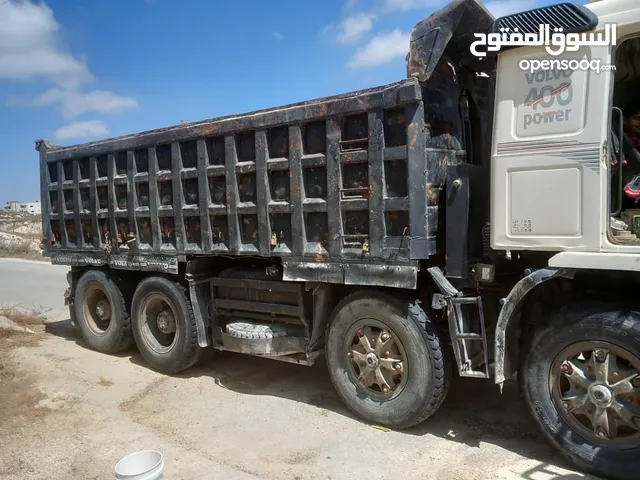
x=338, y=179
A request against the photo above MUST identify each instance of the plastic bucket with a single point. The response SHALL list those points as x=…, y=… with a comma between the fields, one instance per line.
x=144, y=465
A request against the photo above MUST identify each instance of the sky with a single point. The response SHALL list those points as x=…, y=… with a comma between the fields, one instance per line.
x=74, y=71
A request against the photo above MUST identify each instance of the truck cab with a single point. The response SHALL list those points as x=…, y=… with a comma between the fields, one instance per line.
x=564, y=198
x=561, y=156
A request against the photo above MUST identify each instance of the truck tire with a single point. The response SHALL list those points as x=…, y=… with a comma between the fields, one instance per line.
x=385, y=359
x=101, y=313
x=254, y=331
x=583, y=362
x=164, y=326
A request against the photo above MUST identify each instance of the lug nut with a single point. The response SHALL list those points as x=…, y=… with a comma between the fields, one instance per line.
x=398, y=366
x=600, y=355
x=361, y=333
x=384, y=337
x=601, y=433
x=566, y=405
x=385, y=389
x=566, y=368
x=387, y=354
x=350, y=355
x=615, y=374
x=636, y=381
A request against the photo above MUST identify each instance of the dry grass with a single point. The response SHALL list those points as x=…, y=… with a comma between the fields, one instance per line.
x=20, y=250
x=23, y=316
x=6, y=333
x=104, y=382
x=30, y=319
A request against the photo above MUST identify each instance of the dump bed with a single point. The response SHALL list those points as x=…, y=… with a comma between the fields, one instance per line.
x=342, y=179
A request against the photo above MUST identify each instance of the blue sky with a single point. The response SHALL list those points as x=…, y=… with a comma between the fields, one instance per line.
x=75, y=71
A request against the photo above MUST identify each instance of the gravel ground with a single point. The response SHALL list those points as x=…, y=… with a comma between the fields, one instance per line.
x=68, y=412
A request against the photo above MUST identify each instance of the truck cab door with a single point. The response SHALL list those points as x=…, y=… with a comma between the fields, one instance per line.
x=548, y=149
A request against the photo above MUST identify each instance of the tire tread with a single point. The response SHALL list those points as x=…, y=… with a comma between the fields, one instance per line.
x=189, y=350
x=124, y=336
x=441, y=368
x=617, y=324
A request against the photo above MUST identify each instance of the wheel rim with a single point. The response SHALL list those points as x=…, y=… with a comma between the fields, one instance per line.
x=97, y=309
x=596, y=388
x=159, y=325
x=376, y=359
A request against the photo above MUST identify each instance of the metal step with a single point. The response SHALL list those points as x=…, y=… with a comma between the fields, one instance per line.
x=459, y=319
x=469, y=336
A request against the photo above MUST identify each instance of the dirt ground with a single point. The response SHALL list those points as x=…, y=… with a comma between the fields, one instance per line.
x=68, y=412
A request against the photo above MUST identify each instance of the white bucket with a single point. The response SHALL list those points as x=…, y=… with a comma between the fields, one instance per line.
x=144, y=465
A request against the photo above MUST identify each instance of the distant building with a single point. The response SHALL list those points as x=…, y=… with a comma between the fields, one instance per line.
x=12, y=205
x=31, y=207
x=28, y=207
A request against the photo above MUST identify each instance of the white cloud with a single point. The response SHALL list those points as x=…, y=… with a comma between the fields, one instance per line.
x=88, y=128
x=352, y=28
x=278, y=36
x=500, y=8
x=381, y=49
x=405, y=5
x=30, y=49
x=74, y=103
x=29, y=46
x=349, y=5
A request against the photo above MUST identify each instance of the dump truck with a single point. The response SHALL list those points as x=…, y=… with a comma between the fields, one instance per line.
x=479, y=213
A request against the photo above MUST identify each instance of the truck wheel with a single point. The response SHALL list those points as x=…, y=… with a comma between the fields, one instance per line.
x=385, y=359
x=164, y=326
x=101, y=313
x=581, y=380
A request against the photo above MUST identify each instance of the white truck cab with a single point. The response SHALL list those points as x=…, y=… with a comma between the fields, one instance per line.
x=556, y=158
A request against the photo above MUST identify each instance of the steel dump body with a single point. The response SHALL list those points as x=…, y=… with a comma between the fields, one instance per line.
x=338, y=180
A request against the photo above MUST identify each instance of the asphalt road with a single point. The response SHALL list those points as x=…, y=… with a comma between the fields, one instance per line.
x=33, y=284
x=69, y=412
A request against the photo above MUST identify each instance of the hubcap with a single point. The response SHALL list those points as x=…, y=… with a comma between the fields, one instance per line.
x=166, y=322
x=377, y=359
x=97, y=309
x=596, y=388
x=103, y=310
x=158, y=323
x=372, y=360
x=600, y=395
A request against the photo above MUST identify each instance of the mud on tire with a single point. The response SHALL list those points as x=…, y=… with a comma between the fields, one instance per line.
x=100, y=311
x=607, y=332
x=414, y=337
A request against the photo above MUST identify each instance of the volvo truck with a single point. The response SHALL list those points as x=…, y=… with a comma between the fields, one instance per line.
x=480, y=216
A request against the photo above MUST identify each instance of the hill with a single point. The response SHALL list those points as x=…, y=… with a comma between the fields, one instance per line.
x=20, y=235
